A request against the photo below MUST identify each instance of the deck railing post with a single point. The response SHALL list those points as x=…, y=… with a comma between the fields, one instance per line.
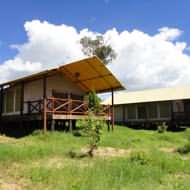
x=29, y=107
x=69, y=111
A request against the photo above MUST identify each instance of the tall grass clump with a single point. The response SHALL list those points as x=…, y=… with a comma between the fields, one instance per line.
x=161, y=128
x=186, y=148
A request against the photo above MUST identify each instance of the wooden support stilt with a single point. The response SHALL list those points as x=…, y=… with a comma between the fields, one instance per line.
x=52, y=125
x=108, y=125
x=45, y=104
x=1, y=108
x=1, y=101
x=45, y=116
x=70, y=108
x=70, y=125
x=112, y=104
x=123, y=108
x=22, y=99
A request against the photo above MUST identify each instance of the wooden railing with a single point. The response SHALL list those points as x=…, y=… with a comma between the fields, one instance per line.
x=64, y=106
x=35, y=106
x=181, y=116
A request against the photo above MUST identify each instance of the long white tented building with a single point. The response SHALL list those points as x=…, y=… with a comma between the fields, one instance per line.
x=171, y=105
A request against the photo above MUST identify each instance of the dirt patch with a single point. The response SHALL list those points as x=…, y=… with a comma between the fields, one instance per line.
x=165, y=149
x=10, y=186
x=181, y=176
x=4, y=139
x=55, y=162
x=109, y=152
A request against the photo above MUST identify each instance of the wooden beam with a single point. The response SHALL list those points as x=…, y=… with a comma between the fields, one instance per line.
x=52, y=125
x=22, y=99
x=112, y=105
x=1, y=101
x=69, y=110
x=45, y=116
x=123, y=106
x=44, y=86
x=44, y=104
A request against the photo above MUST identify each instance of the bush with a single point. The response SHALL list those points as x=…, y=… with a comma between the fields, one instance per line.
x=77, y=133
x=139, y=157
x=162, y=128
x=37, y=132
x=91, y=126
x=185, y=149
x=93, y=102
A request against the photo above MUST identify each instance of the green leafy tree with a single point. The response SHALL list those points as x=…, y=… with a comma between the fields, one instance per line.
x=93, y=102
x=93, y=129
x=99, y=48
x=91, y=126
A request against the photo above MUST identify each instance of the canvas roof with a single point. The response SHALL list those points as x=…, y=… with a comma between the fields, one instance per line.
x=154, y=95
x=89, y=74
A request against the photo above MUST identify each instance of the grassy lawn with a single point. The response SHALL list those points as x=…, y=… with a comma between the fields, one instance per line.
x=42, y=162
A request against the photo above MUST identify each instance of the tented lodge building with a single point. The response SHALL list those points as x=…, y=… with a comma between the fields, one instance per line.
x=55, y=96
x=171, y=105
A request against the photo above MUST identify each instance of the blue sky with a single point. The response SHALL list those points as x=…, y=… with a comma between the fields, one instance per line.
x=97, y=15
x=152, y=37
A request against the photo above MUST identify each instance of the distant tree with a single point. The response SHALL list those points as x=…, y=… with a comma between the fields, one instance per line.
x=99, y=48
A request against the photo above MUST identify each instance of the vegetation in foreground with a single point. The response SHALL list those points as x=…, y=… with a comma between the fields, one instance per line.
x=150, y=161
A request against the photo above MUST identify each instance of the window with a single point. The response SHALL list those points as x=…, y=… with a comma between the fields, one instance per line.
x=118, y=113
x=165, y=109
x=131, y=111
x=142, y=112
x=17, y=99
x=152, y=110
x=9, y=101
x=12, y=98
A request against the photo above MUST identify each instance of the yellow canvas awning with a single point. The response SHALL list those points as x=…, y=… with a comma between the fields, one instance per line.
x=89, y=74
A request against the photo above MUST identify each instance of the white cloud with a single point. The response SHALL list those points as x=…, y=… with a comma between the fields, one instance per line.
x=143, y=61
x=146, y=61
x=166, y=33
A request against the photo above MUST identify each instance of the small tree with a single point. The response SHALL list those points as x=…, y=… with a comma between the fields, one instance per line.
x=91, y=126
x=98, y=47
x=93, y=102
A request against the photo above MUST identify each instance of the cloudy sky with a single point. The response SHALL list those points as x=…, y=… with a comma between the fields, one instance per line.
x=152, y=47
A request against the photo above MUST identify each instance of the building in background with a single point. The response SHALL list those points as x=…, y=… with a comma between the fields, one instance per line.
x=171, y=105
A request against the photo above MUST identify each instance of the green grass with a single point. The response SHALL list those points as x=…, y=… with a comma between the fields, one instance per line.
x=42, y=162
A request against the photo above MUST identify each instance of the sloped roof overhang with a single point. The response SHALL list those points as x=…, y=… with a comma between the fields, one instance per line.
x=89, y=74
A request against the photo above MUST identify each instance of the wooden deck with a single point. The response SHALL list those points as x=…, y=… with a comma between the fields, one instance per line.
x=77, y=117
x=63, y=109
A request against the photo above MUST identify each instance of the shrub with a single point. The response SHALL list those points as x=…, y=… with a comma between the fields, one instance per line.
x=77, y=133
x=185, y=149
x=37, y=132
x=93, y=129
x=162, y=128
x=139, y=157
x=91, y=126
x=93, y=102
